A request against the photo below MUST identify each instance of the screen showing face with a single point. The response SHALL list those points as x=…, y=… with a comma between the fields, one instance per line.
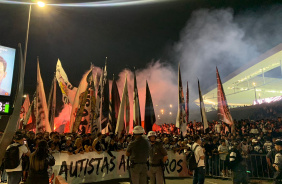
x=7, y=61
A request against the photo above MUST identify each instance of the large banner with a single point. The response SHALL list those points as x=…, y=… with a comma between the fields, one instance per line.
x=94, y=167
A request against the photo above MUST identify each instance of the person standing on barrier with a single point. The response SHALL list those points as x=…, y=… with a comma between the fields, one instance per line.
x=278, y=163
x=235, y=163
x=138, y=153
x=157, y=158
x=199, y=173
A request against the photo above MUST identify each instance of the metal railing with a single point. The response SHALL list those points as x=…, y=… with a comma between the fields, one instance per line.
x=255, y=165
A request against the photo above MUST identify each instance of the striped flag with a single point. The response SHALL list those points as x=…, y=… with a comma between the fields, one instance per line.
x=114, y=106
x=202, y=109
x=52, y=103
x=95, y=127
x=120, y=121
x=150, y=117
x=223, y=110
x=42, y=121
x=104, y=114
x=136, y=106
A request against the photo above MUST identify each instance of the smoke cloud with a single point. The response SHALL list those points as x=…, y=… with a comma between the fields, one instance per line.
x=210, y=38
x=218, y=38
x=162, y=81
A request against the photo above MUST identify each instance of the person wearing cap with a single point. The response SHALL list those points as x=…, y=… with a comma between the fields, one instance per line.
x=235, y=163
x=138, y=153
x=14, y=175
x=157, y=158
x=278, y=163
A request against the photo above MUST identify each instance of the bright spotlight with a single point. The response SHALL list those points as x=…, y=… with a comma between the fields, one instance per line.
x=41, y=4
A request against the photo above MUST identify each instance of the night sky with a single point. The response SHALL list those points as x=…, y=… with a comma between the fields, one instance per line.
x=130, y=36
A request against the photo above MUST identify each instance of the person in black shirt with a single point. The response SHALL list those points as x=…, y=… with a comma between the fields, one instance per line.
x=112, y=147
x=215, y=157
x=208, y=157
x=235, y=163
x=55, y=144
x=67, y=147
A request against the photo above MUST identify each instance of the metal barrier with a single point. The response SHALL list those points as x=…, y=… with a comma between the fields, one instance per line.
x=255, y=165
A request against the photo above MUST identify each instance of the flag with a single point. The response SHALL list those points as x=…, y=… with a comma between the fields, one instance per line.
x=150, y=117
x=114, y=106
x=223, y=110
x=128, y=125
x=202, y=109
x=120, y=121
x=95, y=81
x=79, y=103
x=136, y=106
x=187, y=104
x=83, y=115
x=23, y=112
x=90, y=102
x=104, y=114
x=42, y=121
x=52, y=103
x=68, y=91
x=181, y=114
x=95, y=125
x=30, y=120
x=28, y=113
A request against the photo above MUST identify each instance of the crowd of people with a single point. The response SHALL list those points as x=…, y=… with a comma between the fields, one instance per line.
x=255, y=139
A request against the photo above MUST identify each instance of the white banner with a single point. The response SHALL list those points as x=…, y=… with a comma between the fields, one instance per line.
x=94, y=167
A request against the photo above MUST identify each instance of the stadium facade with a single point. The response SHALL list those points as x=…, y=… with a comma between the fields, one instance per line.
x=259, y=81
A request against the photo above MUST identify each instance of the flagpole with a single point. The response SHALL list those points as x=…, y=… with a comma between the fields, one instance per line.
x=41, y=4
x=26, y=38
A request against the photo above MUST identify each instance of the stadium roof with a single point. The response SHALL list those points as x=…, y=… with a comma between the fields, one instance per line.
x=259, y=79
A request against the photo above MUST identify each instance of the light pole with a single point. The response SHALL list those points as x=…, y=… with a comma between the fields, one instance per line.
x=40, y=4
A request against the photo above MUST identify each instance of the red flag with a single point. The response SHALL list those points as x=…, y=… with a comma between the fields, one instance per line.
x=223, y=110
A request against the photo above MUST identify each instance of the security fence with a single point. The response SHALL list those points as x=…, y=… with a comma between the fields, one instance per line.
x=254, y=164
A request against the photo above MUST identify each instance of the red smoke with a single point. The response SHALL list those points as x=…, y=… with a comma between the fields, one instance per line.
x=162, y=81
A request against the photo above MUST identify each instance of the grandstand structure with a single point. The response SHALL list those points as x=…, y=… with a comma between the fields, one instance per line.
x=259, y=81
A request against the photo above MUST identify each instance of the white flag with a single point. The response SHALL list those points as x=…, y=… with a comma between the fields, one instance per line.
x=67, y=89
x=181, y=114
x=74, y=125
x=202, y=109
x=42, y=122
x=120, y=121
